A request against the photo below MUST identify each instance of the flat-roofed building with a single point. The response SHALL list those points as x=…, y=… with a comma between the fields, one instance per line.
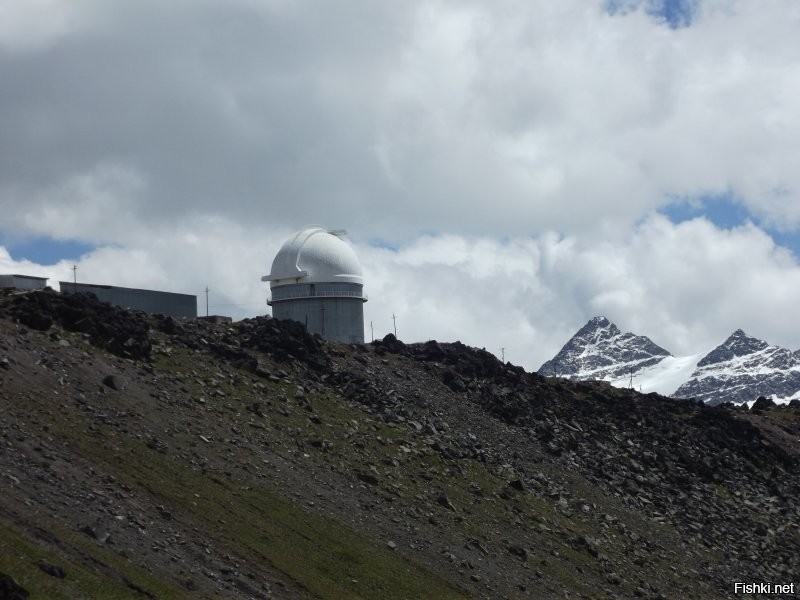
x=182, y=306
x=23, y=282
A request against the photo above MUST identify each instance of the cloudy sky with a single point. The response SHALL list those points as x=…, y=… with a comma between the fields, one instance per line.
x=506, y=170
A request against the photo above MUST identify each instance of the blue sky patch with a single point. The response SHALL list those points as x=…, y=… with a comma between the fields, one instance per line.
x=790, y=239
x=726, y=212
x=723, y=211
x=674, y=13
x=44, y=251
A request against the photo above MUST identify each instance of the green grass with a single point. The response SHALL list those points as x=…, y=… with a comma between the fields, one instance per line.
x=321, y=555
x=784, y=415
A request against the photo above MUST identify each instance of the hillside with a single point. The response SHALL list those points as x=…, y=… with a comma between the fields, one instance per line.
x=146, y=458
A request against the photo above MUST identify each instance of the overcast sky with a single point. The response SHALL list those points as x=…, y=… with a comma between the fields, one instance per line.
x=506, y=170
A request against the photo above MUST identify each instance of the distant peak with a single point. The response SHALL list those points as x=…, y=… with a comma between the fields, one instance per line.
x=600, y=350
x=599, y=321
x=597, y=326
x=737, y=344
x=739, y=336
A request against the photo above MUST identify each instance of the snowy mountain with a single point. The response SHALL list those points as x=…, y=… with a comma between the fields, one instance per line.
x=738, y=370
x=744, y=368
x=601, y=351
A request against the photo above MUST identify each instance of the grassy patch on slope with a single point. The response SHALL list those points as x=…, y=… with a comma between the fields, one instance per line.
x=20, y=557
x=321, y=555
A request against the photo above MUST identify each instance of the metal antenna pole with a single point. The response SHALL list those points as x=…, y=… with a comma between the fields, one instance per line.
x=75, y=274
x=394, y=320
x=371, y=331
x=206, y=300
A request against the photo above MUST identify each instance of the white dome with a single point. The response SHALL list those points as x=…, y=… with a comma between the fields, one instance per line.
x=314, y=255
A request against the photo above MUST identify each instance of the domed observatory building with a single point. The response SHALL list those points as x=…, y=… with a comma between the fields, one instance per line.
x=316, y=279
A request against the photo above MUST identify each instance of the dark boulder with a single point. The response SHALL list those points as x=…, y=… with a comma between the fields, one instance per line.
x=762, y=403
x=10, y=589
x=52, y=570
x=452, y=380
x=391, y=344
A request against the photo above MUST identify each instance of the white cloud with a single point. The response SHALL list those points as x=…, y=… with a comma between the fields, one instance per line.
x=533, y=139
x=183, y=256
x=98, y=205
x=504, y=119
x=31, y=25
x=686, y=286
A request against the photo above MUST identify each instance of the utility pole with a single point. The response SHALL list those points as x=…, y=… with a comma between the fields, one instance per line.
x=394, y=320
x=206, y=300
x=75, y=274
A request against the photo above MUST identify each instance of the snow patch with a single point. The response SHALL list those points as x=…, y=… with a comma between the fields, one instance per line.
x=663, y=378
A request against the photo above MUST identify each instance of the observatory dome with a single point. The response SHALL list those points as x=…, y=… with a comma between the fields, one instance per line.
x=314, y=255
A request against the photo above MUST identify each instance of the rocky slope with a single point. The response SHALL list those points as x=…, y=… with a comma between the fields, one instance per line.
x=145, y=458
x=739, y=370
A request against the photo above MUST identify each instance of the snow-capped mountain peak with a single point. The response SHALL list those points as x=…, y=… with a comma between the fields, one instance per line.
x=738, y=370
x=743, y=368
x=738, y=344
x=599, y=350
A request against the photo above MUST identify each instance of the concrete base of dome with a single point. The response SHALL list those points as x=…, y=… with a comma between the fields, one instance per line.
x=338, y=317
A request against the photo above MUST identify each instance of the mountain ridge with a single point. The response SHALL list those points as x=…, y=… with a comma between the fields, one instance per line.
x=743, y=368
x=599, y=348
x=738, y=370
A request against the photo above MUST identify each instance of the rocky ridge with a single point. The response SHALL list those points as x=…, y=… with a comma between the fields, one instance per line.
x=252, y=460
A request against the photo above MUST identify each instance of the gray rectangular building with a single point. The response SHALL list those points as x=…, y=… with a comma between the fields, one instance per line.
x=182, y=306
x=23, y=282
